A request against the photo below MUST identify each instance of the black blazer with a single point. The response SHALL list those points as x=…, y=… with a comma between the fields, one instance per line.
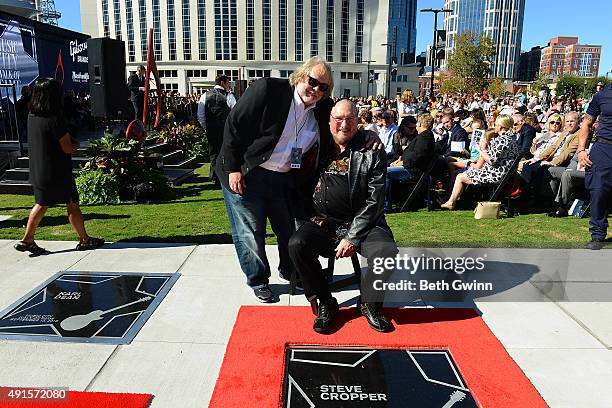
x=525, y=139
x=254, y=126
x=419, y=152
x=457, y=134
x=134, y=82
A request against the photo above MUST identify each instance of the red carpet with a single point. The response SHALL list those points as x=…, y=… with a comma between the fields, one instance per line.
x=89, y=400
x=253, y=367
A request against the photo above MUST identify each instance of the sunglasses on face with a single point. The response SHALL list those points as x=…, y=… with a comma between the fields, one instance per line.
x=323, y=87
x=555, y=123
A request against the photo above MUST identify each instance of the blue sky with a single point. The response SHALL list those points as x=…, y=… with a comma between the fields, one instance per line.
x=544, y=19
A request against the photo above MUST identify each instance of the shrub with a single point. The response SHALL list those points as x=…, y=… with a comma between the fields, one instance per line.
x=97, y=187
x=190, y=138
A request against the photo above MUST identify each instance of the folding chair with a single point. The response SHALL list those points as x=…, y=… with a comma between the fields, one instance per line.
x=425, y=177
x=499, y=189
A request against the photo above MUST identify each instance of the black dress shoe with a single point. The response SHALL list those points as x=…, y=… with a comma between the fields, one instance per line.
x=594, y=245
x=376, y=320
x=326, y=313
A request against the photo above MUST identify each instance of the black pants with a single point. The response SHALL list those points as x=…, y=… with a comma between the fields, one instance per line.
x=311, y=241
x=138, y=107
x=215, y=141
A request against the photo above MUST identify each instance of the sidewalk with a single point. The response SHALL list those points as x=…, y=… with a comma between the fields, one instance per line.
x=564, y=348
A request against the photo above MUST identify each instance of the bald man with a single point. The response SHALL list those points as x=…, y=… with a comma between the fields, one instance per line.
x=346, y=216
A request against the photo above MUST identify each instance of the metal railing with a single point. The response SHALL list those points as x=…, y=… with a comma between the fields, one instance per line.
x=11, y=125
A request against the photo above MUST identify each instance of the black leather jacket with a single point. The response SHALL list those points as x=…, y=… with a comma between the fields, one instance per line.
x=367, y=173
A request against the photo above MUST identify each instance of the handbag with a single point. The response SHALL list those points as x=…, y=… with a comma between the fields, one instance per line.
x=487, y=210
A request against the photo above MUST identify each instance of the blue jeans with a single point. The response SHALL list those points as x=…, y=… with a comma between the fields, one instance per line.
x=267, y=196
x=399, y=174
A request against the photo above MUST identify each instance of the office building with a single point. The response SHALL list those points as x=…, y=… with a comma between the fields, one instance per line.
x=564, y=55
x=529, y=65
x=500, y=20
x=195, y=40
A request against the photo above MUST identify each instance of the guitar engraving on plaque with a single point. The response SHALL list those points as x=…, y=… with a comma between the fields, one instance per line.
x=454, y=398
x=78, y=322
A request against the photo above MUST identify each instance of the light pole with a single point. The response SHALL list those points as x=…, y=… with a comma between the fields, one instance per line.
x=389, y=70
x=435, y=42
x=368, y=85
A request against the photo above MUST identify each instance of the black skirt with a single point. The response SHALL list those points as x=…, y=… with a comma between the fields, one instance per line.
x=62, y=193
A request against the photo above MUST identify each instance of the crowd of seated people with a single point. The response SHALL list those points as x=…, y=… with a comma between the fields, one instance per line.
x=475, y=139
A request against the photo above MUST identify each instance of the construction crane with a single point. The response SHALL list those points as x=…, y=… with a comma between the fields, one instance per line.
x=48, y=13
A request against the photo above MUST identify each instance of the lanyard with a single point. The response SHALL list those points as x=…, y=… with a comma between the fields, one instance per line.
x=295, y=124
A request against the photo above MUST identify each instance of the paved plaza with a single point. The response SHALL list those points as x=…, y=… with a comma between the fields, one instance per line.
x=563, y=346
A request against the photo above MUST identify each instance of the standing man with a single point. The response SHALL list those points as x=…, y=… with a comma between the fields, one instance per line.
x=598, y=163
x=276, y=126
x=213, y=108
x=136, y=83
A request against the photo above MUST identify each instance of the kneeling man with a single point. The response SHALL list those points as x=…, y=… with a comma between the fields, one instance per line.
x=346, y=216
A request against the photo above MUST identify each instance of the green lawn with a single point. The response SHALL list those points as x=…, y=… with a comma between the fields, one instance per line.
x=198, y=216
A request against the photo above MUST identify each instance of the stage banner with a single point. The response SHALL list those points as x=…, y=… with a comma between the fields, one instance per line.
x=30, y=49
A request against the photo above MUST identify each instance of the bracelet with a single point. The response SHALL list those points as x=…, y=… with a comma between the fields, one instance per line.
x=583, y=150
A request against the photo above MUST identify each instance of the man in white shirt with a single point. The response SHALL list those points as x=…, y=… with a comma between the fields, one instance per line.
x=387, y=130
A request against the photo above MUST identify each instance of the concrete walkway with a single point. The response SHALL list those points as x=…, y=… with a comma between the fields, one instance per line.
x=564, y=347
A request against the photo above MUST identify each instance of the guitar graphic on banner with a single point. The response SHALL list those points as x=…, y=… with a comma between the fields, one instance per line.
x=77, y=322
x=454, y=398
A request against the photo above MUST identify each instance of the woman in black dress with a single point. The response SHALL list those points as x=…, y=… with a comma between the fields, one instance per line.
x=50, y=151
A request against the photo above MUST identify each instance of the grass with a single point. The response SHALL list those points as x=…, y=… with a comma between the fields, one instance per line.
x=198, y=216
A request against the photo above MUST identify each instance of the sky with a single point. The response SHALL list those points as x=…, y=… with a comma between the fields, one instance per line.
x=544, y=19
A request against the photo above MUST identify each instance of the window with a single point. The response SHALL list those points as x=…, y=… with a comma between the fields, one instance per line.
x=259, y=73
x=250, y=30
x=226, y=30
x=169, y=87
x=157, y=30
x=105, y=18
x=314, y=28
x=350, y=75
x=117, y=11
x=197, y=73
x=232, y=74
x=266, y=30
x=344, y=33
x=359, y=32
x=186, y=31
x=168, y=73
x=329, y=47
x=299, y=28
x=171, y=30
x=202, y=30
x=283, y=73
x=282, y=30
x=144, y=35
x=129, y=20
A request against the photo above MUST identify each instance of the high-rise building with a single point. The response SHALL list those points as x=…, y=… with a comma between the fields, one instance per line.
x=500, y=20
x=529, y=64
x=402, y=30
x=196, y=40
x=564, y=55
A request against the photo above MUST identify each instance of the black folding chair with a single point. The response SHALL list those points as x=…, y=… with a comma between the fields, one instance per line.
x=425, y=178
x=503, y=184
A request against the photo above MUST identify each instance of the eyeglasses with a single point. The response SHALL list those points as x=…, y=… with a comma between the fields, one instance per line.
x=340, y=120
x=323, y=87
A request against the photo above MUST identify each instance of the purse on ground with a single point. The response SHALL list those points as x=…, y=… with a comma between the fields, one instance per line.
x=487, y=210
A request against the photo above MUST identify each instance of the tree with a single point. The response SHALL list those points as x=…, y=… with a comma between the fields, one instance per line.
x=469, y=64
x=579, y=87
x=539, y=83
x=496, y=87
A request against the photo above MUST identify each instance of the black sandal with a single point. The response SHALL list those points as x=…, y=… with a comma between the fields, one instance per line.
x=31, y=247
x=91, y=243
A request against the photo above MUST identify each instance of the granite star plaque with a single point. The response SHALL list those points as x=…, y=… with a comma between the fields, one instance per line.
x=373, y=378
x=92, y=307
